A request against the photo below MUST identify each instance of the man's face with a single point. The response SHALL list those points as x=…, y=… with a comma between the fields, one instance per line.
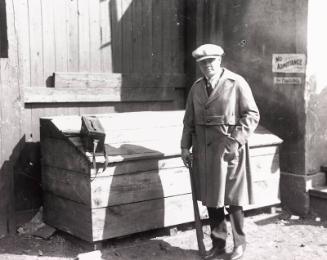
x=210, y=67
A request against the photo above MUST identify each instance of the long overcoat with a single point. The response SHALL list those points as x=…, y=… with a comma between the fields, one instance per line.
x=230, y=112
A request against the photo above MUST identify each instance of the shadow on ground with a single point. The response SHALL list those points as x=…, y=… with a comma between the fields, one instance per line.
x=277, y=235
x=155, y=244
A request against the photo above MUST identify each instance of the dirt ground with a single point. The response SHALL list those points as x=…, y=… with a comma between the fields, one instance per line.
x=277, y=235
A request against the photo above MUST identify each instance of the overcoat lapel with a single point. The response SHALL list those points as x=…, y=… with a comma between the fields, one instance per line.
x=218, y=89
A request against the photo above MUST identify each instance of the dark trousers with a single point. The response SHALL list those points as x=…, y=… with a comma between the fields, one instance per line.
x=218, y=225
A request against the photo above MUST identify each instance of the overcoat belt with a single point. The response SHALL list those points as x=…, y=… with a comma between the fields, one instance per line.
x=230, y=112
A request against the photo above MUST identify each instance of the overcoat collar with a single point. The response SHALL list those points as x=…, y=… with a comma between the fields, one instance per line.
x=227, y=74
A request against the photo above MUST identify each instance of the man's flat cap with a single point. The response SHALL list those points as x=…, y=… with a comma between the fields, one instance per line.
x=207, y=51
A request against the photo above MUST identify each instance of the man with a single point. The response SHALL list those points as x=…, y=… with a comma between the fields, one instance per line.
x=220, y=116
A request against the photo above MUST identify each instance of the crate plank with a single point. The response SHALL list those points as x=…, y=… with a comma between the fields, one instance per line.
x=121, y=121
x=99, y=191
x=137, y=217
x=68, y=216
x=61, y=154
x=118, y=220
x=126, y=188
x=262, y=137
x=263, y=166
x=116, y=168
x=266, y=191
x=138, y=135
x=264, y=150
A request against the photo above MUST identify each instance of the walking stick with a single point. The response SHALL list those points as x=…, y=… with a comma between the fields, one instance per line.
x=198, y=223
x=249, y=174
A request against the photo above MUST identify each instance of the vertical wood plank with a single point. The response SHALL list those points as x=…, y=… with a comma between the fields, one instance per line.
x=2, y=231
x=200, y=34
x=36, y=46
x=190, y=43
x=137, y=36
x=72, y=37
x=61, y=25
x=127, y=35
x=60, y=28
x=3, y=30
x=116, y=36
x=181, y=36
x=10, y=130
x=84, y=35
x=215, y=28
x=167, y=40
x=199, y=22
x=106, y=40
x=94, y=16
x=22, y=27
x=36, y=50
x=147, y=36
x=49, y=63
x=157, y=35
x=173, y=62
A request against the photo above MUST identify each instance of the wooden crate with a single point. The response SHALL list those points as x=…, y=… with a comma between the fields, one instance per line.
x=145, y=185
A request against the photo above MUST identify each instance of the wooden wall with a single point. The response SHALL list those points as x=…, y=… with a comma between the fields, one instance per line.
x=3, y=31
x=120, y=36
x=10, y=115
x=126, y=37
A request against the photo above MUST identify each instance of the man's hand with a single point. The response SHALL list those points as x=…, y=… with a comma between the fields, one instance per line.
x=186, y=157
x=232, y=147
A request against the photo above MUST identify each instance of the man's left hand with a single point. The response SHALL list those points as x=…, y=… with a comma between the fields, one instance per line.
x=232, y=147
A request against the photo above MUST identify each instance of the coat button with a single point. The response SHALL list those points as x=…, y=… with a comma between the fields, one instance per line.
x=208, y=144
x=208, y=120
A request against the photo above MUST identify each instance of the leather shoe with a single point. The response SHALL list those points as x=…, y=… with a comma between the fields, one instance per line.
x=214, y=251
x=238, y=252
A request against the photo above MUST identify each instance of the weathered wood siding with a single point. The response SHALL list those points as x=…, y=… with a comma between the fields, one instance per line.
x=119, y=36
x=40, y=37
x=10, y=114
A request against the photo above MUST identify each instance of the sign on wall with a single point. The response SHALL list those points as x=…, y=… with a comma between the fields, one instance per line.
x=288, y=63
x=287, y=80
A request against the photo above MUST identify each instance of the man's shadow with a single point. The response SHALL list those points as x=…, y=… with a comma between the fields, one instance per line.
x=136, y=198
